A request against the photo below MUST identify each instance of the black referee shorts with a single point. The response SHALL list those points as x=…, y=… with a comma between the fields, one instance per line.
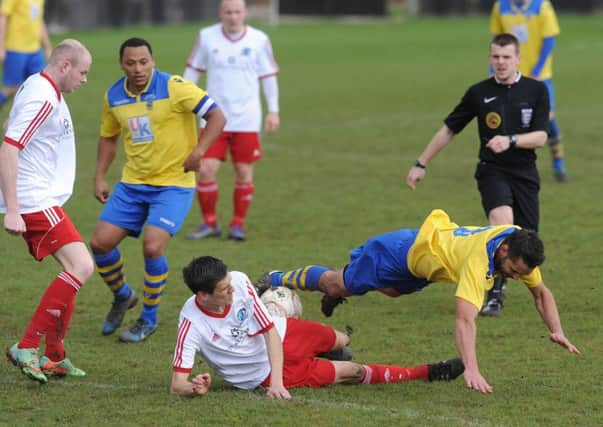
x=515, y=186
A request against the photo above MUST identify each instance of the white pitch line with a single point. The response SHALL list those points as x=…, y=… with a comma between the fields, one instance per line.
x=404, y=413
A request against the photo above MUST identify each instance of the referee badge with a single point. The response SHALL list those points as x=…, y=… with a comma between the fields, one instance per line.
x=493, y=120
x=526, y=117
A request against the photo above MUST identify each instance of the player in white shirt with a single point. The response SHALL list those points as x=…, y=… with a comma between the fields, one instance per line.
x=37, y=171
x=236, y=57
x=228, y=325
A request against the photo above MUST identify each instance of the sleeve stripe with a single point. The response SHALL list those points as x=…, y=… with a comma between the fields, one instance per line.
x=204, y=106
x=36, y=123
x=276, y=73
x=259, y=313
x=201, y=70
x=183, y=329
x=194, y=50
x=13, y=142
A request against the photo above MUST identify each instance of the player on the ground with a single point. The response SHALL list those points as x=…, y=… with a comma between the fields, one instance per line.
x=156, y=114
x=24, y=43
x=37, y=171
x=406, y=261
x=236, y=57
x=535, y=24
x=229, y=326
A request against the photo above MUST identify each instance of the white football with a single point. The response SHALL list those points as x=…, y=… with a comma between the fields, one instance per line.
x=282, y=302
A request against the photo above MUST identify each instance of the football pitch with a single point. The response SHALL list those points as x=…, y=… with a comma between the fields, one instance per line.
x=359, y=101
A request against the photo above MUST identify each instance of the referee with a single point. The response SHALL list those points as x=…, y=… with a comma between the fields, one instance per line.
x=512, y=112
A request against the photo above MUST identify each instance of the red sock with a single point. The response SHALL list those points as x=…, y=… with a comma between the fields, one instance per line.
x=242, y=195
x=55, y=350
x=383, y=374
x=207, y=195
x=53, y=307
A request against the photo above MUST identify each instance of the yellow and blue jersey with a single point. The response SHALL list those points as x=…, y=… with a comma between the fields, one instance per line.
x=158, y=127
x=531, y=22
x=24, y=27
x=446, y=252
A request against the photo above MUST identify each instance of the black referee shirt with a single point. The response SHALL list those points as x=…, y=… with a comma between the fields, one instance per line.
x=503, y=109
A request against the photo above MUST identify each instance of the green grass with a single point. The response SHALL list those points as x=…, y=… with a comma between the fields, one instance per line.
x=359, y=102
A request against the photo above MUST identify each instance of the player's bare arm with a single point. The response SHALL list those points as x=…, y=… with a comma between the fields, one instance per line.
x=107, y=147
x=465, y=337
x=547, y=308
x=441, y=138
x=9, y=159
x=215, y=124
x=198, y=386
x=276, y=390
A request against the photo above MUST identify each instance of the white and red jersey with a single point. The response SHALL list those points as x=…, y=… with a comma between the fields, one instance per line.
x=234, y=67
x=40, y=126
x=231, y=343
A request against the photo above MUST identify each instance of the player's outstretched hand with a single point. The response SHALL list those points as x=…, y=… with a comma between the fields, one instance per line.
x=201, y=384
x=475, y=381
x=564, y=342
x=278, y=392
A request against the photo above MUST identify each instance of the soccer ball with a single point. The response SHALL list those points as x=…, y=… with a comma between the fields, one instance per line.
x=282, y=302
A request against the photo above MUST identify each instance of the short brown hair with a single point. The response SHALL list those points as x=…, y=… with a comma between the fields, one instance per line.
x=505, y=39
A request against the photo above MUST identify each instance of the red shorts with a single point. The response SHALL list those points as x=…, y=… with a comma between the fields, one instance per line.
x=48, y=231
x=303, y=341
x=244, y=147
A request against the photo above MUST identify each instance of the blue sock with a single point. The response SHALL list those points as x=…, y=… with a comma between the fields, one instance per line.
x=110, y=268
x=155, y=277
x=305, y=278
x=3, y=98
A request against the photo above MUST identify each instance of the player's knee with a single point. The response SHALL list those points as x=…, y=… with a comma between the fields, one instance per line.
x=332, y=283
x=349, y=372
x=80, y=266
x=208, y=171
x=84, y=268
x=152, y=249
x=99, y=246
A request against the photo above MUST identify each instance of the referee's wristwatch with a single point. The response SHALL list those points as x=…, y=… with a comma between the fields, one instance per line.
x=512, y=141
x=418, y=164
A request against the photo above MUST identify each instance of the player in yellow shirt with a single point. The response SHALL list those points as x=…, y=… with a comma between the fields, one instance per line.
x=535, y=25
x=156, y=115
x=24, y=43
x=405, y=261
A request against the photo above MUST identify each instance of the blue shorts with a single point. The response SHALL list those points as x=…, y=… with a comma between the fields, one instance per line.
x=381, y=263
x=130, y=206
x=551, y=89
x=19, y=66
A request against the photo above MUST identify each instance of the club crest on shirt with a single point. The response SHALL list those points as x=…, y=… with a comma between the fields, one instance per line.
x=242, y=315
x=493, y=120
x=67, y=129
x=246, y=51
x=526, y=117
